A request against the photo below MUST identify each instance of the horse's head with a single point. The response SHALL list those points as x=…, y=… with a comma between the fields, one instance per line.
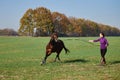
x=54, y=36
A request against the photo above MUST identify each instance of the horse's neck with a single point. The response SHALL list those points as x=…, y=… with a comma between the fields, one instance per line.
x=49, y=45
x=51, y=40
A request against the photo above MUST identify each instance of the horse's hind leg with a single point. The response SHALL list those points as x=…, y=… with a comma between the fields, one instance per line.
x=57, y=56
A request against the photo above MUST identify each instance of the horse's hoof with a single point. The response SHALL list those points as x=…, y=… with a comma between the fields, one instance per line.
x=42, y=62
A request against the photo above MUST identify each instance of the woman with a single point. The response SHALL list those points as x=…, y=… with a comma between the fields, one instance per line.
x=103, y=46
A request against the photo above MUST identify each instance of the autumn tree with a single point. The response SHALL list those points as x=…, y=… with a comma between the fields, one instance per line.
x=61, y=23
x=40, y=18
x=26, y=23
x=43, y=20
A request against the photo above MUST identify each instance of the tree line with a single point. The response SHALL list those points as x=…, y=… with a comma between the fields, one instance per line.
x=42, y=22
x=8, y=32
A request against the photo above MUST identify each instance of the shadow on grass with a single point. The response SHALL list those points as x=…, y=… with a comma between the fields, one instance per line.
x=76, y=60
x=115, y=62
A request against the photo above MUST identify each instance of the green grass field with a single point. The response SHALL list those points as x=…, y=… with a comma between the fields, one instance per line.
x=20, y=59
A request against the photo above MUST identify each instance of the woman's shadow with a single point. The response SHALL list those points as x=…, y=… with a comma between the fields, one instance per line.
x=115, y=62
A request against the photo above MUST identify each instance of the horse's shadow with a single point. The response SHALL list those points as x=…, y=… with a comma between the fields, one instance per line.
x=115, y=62
x=76, y=60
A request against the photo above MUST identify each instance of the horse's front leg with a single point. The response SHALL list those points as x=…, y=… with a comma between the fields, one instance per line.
x=45, y=58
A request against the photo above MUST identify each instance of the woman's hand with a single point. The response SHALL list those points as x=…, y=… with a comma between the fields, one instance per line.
x=91, y=41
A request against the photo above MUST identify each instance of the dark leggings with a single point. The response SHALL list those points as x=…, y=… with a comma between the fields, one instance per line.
x=103, y=52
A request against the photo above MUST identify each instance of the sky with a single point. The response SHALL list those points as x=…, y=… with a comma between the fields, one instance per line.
x=101, y=11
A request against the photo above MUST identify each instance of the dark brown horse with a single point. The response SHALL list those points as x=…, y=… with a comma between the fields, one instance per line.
x=54, y=46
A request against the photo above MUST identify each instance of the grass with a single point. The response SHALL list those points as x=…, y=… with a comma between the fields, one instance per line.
x=20, y=59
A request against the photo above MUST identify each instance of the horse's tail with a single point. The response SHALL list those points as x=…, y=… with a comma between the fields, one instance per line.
x=66, y=50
